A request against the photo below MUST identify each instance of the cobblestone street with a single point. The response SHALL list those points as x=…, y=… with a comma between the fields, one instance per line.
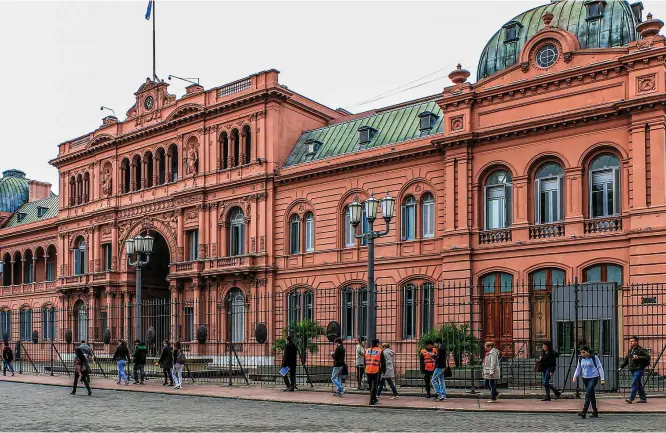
x=52, y=408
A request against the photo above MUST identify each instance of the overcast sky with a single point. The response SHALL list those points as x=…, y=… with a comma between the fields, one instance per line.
x=60, y=61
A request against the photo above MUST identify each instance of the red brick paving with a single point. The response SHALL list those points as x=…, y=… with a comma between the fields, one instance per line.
x=607, y=404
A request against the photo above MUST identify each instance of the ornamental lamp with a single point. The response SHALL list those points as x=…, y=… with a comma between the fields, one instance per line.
x=371, y=206
x=139, y=244
x=355, y=212
x=388, y=207
x=129, y=246
x=148, y=243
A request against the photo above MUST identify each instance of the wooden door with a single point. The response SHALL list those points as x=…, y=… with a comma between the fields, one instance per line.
x=498, y=310
x=541, y=287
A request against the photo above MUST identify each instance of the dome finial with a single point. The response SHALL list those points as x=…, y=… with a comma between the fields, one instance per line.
x=459, y=76
x=547, y=18
x=650, y=27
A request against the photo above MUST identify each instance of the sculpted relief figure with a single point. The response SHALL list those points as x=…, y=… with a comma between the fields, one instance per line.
x=107, y=182
x=192, y=158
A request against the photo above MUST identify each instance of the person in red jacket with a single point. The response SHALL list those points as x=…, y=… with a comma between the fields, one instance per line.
x=427, y=358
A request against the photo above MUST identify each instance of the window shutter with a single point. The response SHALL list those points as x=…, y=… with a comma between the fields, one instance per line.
x=508, y=203
x=403, y=220
x=485, y=207
x=537, y=201
x=241, y=248
x=590, y=174
x=616, y=192
x=77, y=260
x=560, y=197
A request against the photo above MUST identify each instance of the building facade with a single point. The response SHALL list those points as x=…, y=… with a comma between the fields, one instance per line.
x=550, y=169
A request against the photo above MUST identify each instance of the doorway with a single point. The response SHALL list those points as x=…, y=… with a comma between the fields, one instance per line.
x=498, y=310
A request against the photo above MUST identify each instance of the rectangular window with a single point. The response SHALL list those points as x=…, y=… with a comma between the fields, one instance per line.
x=27, y=273
x=189, y=323
x=409, y=222
x=104, y=319
x=350, y=241
x=293, y=308
x=565, y=337
x=6, y=324
x=495, y=208
x=25, y=325
x=294, y=236
x=237, y=239
x=309, y=234
x=408, y=304
x=348, y=314
x=193, y=245
x=308, y=306
x=549, y=206
x=604, y=193
x=428, y=219
x=50, y=271
x=106, y=248
x=79, y=261
x=427, y=307
x=48, y=324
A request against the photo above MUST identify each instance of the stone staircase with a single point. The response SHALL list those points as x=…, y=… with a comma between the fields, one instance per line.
x=520, y=373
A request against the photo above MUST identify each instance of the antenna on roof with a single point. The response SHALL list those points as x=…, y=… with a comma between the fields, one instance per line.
x=189, y=80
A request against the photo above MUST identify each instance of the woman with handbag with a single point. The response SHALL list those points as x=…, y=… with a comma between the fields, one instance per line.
x=389, y=374
x=546, y=365
x=589, y=366
x=439, y=374
x=81, y=371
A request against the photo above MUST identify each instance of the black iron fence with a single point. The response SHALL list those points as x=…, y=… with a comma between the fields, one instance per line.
x=237, y=338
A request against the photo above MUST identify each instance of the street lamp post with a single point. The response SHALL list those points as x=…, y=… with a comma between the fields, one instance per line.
x=138, y=247
x=355, y=215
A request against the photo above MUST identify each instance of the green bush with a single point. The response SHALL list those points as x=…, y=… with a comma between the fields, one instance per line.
x=303, y=333
x=457, y=340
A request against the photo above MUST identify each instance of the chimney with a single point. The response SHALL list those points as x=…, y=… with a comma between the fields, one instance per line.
x=109, y=120
x=38, y=190
x=637, y=9
x=193, y=88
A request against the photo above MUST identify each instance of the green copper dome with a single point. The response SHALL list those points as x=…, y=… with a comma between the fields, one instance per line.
x=13, y=190
x=596, y=24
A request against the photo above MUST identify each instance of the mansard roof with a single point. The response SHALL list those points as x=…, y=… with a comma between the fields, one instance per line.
x=13, y=190
x=391, y=126
x=30, y=211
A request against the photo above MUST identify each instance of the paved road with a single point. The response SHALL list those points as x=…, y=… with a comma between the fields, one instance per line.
x=51, y=408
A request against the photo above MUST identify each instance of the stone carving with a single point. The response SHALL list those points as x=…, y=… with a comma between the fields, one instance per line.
x=646, y=83
x=192, y=159
x=253, y=245
x=262, y=243
x=107, y=183
x=456, y=123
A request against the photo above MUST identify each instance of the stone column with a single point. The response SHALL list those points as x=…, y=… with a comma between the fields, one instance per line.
x=463, y=194
x=657, y=162
x=12, y=273
x=167, y=167
x=122, y=179
x=243, y=142
x=92, y=313
x=156, y=169
x=109, y=313
x=637, y=134
x=116, y=250
x=33, y=276
x=210, y=228
x=203, y=233
x=132, y=176
x=232, y=149
x=180, y=237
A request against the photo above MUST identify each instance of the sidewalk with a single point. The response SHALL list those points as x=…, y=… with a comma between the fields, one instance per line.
x=610, y=404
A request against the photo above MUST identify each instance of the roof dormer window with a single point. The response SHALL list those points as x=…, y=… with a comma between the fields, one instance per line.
x=313, y=146
x=20, y=216
x=41, y=211
x=512, y=31
x=595, y=9
x=365, y=134
x=427, y=120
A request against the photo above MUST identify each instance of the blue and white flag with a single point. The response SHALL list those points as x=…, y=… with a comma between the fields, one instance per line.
x=149, y=10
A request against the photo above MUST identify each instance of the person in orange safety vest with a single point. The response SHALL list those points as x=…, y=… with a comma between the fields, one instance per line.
x=375, y=365
x=427, y=357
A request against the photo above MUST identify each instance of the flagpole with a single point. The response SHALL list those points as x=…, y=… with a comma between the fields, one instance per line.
x=154, y=11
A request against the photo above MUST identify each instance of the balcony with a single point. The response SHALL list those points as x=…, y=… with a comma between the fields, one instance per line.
x=224, y=265
x=601, y=225
x=494, y=236
x=547, y=231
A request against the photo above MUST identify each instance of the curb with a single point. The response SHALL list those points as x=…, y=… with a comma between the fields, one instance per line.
x=350, y=404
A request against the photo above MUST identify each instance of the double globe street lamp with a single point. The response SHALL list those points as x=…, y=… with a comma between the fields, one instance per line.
x=370, y=206
x=138, y=248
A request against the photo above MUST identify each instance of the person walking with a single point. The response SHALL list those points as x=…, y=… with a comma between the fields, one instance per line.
x=87, y=351
x=638, y=359
x=139, y=355
x=491, y=370
x=589, y=366
x=81, y=370
x=438, y=381
x=389, y=373
x=359, y=362
x=166, y=362
x=548, y=365
x=339, y=365
x=178, y=364
x=427, y=362
x=7, y=359
x=289, y=358
x=375, y=365
x=121, y=356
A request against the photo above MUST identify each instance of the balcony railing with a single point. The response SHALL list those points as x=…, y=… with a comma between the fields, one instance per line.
x=600, y=225
x=235, y=87
x=547, y=231
x=495, y=236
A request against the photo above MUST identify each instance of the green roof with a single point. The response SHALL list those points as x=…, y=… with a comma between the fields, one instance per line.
x=391, y=126
x=13, y=190
x=30, y=211
x=615, y=28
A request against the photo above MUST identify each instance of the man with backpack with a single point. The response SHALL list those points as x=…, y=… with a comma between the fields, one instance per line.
x=139, y=355
x=7, y=358
x=637, y=359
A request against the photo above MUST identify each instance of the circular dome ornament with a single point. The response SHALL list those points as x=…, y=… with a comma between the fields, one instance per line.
x=546, y=56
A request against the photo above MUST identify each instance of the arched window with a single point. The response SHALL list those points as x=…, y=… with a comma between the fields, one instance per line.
x=497, y=282
x=408, y=311
x=236, y=232
x=136, y=167
x=79, y=189
x=236, y=148
x=545, y=279
x=174, y=162
x=604, y=273
x=18, y=266
x=81, y=317
x=294, y=234
x=428, y=212
x=408, y=232
x=549, y=194
x=25, y=324
x=51, y=261
x=224, y=150
x=80, y=257
x=148, y=161
x=604, y=186
x=49, y=323
x=309, y=232
x=86, y=187
x=72, y=191
x=161, y=166
x=293, y=307
x=6, y=325
x=498, y=199
x=28, y=268
x=247, y=134
x=348, y=307
x=427, y=307
x=126, y=175
x=237, y=313
x=7, y=272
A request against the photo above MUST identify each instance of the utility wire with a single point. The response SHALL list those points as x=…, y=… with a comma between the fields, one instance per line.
x=395, y=93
